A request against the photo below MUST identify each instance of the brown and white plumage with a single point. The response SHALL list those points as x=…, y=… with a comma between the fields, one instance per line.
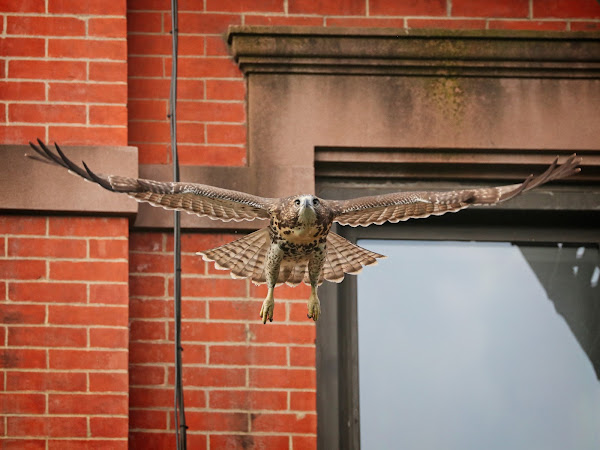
x=298, y=245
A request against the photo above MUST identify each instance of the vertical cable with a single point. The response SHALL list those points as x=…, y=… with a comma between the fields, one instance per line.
x=180, y=425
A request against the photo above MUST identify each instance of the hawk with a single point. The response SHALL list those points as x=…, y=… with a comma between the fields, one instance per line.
x=298, y=245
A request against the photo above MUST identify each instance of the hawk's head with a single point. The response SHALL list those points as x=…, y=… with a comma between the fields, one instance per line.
x=302, y=211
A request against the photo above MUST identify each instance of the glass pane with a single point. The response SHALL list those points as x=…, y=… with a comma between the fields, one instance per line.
x=479, y=345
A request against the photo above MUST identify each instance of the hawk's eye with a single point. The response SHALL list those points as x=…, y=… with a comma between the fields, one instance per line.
x=297, y=202
x=316, y=202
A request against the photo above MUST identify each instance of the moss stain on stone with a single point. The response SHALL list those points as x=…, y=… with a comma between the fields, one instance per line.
x=448, y=97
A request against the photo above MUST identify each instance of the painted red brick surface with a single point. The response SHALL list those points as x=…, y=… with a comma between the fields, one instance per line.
x=86, y=336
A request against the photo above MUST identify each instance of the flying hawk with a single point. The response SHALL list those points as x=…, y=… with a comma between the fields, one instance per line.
x=298, y=245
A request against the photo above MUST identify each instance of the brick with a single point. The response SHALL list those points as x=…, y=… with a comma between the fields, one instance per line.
x=190, y=46
x=245, y=6
x=234, y=441
x=22, y=225
x=585, y=26
x=193, y=309
x=412, y=8
x=107, y=27
x=190, y=132
x=22, y=358
x=75, y=135
x=146, y=66
x=248, y=355
x=47, y=292
x=85, y=444
x=88, y=270
x=148, y=286
x=46, y=381
x=566, y=8
x=109, y=382
x=212, y=287
x=153, y=132
x=24, y=6
x=47, y=113
x=225, y=89
x=144, y=22
x=164, y=440
x=217, y=421
x=148, y=109
x=205, y=23
x=150, y=263
x=148, y=420
x=304, y=442
x=214, y=377
x=47, y=336
x=283, y=378
x=257, y=19
x=192, y=264
x=146, y=375
x=213, y=67
x=22, y=90
x=303, y=401
x=87, y=359
x=20, y=134
x=146, y=330
x=150, y=309
x=283, y=334
x=56, y=248
x=146, y=241
x=108, y=248
x=248, y=400
x=109, y=338
x=88, y=93
x=108, y=115
x=100, y=404
x=22, y=314
x=194, y=242
x=87, y=315
x=47, y=70
x=234, y=310
x=22, y=47
x=113, y=427
x=150, y=44
x=146, y=352
x=190, y=89
x=211, y=332
x=207, y=111
x=216, y=46
x=474, y=8
x=115, y=294
x=47, y=426
x=527, y=25
x=160, y=5
x=151, y=398
x=107, y=71
x=87, y=226
x=284, y=422
x=23, y=444
x=454, y=24
x=11, y=403
x=302, y=356
x=87, y=7
x=328, y=7
x=225, y=134
x=45, y=26
x=364, y=22
x=140, y=88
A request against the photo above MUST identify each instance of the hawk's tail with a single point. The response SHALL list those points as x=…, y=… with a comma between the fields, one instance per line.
x=246, y=257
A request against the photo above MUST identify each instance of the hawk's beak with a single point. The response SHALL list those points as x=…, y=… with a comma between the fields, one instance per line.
x=307, y=203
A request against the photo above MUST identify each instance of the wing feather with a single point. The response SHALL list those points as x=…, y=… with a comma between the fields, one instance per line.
x=401, y=206
x=193, y=198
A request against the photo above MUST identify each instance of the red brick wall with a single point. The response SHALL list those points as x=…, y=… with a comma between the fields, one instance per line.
x=64, y=76
x=63, y=333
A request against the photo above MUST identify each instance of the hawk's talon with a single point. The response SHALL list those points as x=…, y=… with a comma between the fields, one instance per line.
x=314, y=307
x=266, y=311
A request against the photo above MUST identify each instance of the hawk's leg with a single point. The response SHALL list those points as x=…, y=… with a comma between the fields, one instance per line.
x=315, y=266
x=274, y=257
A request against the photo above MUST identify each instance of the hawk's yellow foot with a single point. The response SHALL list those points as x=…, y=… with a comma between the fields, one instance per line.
x=266, y=312
x=314, y=306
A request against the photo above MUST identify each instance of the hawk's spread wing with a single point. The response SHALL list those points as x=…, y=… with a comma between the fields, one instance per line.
x=199, y=199
x=402, y=206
